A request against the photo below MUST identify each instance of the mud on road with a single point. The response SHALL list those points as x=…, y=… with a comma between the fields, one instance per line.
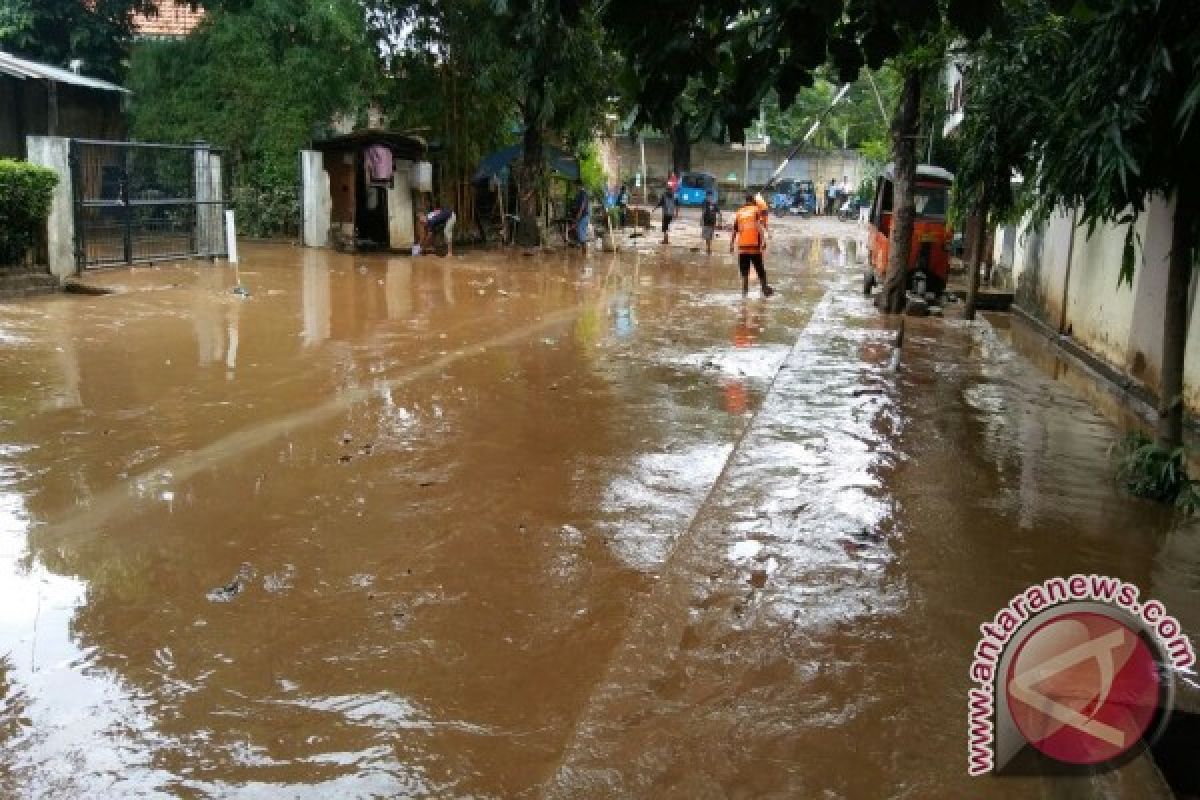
x=501, y=526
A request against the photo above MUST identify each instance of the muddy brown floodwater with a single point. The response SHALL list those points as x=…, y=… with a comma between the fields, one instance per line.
x=525, y=527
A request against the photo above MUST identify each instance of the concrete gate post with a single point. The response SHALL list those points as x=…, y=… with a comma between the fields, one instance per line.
x=210, y=219
x=400, y=211
x=216, y=206
x=315, y=202
x=54, y=152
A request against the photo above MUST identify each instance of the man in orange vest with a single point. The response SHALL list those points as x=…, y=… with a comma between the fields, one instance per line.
x=750, y=238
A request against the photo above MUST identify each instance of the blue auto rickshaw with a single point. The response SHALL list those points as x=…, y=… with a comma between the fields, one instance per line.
x=694, y=187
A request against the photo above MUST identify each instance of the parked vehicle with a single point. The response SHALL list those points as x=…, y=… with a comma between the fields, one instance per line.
x=929, y=257
x=849, y=210
x=806, y=194
x=792, y=197
x=781, y=202
x=694, y=186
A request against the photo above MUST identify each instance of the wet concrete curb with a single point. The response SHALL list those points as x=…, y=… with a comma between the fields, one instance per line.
x=767, y=632
x=1131, y=392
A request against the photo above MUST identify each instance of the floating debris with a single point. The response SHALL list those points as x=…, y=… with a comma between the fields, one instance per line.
x=226, y=593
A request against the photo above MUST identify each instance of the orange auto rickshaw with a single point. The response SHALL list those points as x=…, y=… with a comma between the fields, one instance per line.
x=929, y=257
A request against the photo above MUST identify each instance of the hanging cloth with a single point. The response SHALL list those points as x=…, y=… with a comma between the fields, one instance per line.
x=378, y=158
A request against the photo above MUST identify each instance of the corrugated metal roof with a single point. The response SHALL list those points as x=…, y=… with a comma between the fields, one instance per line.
x=24, y=68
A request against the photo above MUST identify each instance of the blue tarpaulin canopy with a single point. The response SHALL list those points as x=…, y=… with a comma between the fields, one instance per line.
x=497, y=164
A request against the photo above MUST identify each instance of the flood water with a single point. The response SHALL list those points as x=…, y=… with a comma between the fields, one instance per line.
x=498, y=526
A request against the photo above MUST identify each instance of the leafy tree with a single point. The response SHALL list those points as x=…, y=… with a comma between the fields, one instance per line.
x=1095, y=103
x=916, y=34
x=561, y=77
x=257, y=79
x=860, y=119
x=1003, y=119
x=450, y=74
x=1125, y=129
x=97, y=32
x=671, y=82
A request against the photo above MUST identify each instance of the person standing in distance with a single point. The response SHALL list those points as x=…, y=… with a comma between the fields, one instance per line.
x=667, y=203
x=581, y=215
x=750, y=239
x=710, y=218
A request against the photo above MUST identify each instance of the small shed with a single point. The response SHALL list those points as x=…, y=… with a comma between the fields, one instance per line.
x=350, y=203
x=43, y=100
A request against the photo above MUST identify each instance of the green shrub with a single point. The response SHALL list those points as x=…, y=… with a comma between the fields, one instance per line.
x=591, y=169
x=267, y=210
x=1147, y=470
x=26, y=191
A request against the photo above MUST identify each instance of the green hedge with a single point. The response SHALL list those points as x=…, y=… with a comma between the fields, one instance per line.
x=25, y=194
x=267, y=210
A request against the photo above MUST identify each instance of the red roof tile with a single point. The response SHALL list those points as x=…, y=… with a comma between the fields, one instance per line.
x=171, y=20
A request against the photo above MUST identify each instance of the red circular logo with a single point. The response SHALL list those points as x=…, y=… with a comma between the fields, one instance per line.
x=1083, y=688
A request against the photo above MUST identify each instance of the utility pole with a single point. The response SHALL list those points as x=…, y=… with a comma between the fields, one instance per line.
x=816, y=124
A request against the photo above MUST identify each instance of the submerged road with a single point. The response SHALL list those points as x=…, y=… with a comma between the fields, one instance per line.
x=527, y=527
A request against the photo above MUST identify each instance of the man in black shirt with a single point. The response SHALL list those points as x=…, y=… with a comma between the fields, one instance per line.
x=710, y=218
x=666, y=202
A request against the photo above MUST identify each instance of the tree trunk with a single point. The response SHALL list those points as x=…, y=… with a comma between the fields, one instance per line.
x=529, y=188
x=978, y=223
x=904, y=211
x=1169, y=433
x=681, y=147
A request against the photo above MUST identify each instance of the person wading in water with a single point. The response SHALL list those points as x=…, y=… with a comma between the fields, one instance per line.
x=750, y=239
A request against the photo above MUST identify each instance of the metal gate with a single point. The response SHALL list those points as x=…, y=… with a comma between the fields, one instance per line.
x=137, y=202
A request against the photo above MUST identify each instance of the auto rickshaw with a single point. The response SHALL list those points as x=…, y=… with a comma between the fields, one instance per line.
x=929, y=258
x=694, y=186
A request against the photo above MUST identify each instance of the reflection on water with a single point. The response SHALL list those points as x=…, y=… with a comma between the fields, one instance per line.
x=375, y=420
x=399, y=288
x=318, y=308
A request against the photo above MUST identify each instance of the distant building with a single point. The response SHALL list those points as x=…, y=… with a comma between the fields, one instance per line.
x=43, y=100
x=173, y=21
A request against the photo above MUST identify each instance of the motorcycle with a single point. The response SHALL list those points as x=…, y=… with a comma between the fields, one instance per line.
x=783, y=203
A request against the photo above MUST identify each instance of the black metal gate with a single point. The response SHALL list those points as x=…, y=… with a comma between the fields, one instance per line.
x=137, y=202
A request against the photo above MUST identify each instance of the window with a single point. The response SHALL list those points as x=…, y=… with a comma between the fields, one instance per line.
x=931, y=201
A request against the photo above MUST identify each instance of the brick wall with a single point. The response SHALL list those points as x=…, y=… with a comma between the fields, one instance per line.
x=173, y=20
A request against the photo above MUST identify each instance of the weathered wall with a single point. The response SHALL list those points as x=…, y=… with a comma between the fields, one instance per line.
x=1099, y=310
x=622, y=160
x=54, y=153
x=315, y=199
x=82, y=113
x=1071, y=281
x=401, y=233
x=12, y=129
x=91, y=114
